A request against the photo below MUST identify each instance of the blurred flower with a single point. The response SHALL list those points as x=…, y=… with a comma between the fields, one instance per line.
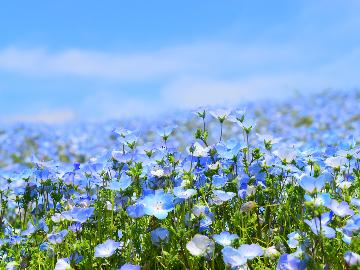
x=225, y=238
x=107, y=248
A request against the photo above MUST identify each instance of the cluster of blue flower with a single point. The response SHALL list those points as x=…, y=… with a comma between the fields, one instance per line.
x=275, y=186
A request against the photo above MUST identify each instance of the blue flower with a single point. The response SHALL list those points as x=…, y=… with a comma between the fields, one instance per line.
x=233, y=257
x=183, y=193
x=78, y=214
x=62, y=264
x=317, y=225
x=238, y=257
x=129, y=266
x=311, y=184
x=165, y=131
x=107, y=248
x=219, y=181
x=297, y=239
x=352, y=225
x=159, y=236
x=220, y=114
x=352, y=258
x=355, y=202
x=222, y=196
x=340, y=209
x=75, y=227
x=57, y=238
x=158, y=204
x=123, y=183
x=290, y=262
x=251, y=251
x=205, y=223
x=225, y=238
x=321, y=199
x=136, y=210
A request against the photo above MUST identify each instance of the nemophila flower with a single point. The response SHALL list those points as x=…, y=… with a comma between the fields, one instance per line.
x=158, y=204
x=335, y=162
x=198, y=150
x=57, y=238
x=29, y=230
x=214, y=166
x=286, y=154
x=346, y=238
x=123, y=183
x=201, y=245
x=165, y=131
x=221, y=196
x=246, y=190
x=75, y=257
x=129, y=266
x=205, y=223
x=318, y=225
x=319, y=199
x=237, y=116
x=247, y=125
x=352, y=225
x=229, y=149
x=238, y=257
x=158, y=172
x=63, y=264
x=225, y=238
x=233, y=257
x=201, y=210
x=340, y=209
x=355, y=202
x=352, y=258
x=311, y=184
x=135, y=211
x=12, y=265
x=219, y=181
x=220, y=114
x=78, y=214
x=75, y=227
x=159, y=236
x=290, y=262
x=297, y=239
x=251, y=251
x=107, y=248
x=44, y=246
x=268, y=138
x=183, y=193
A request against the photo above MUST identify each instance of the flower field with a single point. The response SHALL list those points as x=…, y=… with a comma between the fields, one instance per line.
x=267, y=185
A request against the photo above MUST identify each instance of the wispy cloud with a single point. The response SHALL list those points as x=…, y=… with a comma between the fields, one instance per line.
x=55, y=116
x=174, y=61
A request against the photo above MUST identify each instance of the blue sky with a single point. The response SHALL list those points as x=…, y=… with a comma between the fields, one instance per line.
x=92, y=60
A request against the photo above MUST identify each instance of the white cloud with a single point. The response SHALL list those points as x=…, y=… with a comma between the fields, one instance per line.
x=165, y=63
x=57, y=116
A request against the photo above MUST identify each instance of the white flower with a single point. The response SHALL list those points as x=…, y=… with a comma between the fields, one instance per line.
x=286, y=154
x=200, y=151
x=335, y=162
x=201, y=245
x=271, y=252
x=158, y=172
x=62, y=264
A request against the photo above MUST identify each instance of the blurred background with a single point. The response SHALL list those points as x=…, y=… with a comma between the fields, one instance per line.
x=69, y=61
